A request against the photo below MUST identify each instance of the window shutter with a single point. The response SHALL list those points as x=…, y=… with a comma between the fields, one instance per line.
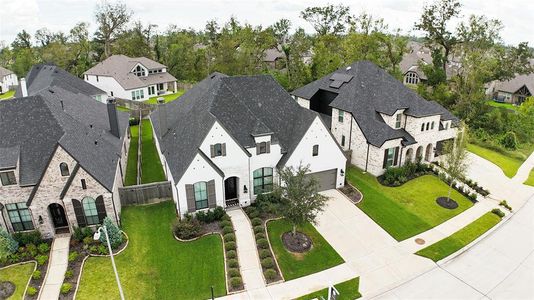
x=12, y=178
x=396, y=156
x=223, y=149
x=190, y=195
x=78, y=211
x=385, y=159
x=100, y=208
x=268, y=147
x=212, y=201
x=212, y=151
x=257, y=149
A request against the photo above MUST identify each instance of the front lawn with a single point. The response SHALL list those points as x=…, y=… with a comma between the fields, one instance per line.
x=151, y=168
x=406, y=210
x=461, y=238
x=294, y=265
x=530, y=179
x=506, y=161
x=7, y=95
x=19, y=275
x=168, y=98
x=131, y=166
x=155, y=265
x=503, y=105
x=348, y=290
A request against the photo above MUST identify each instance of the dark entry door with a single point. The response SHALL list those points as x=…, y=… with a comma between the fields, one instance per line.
x=230, y=188
x=58, y=215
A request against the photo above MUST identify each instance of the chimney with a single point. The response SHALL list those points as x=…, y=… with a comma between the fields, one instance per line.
x=113, y=118
x=162, y=116
x=23, y=87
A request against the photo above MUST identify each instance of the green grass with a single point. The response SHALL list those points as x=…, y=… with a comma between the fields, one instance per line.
x=123, y=108
x=348, y=290
x=406, y=210
x=508, y=163
x=321, y=256
x=530, y=179
x=131, y=167
x=7, y=95
x=151, y=168
x=503, y=105
x=460, y=238
x=19, y=275
x=155, y=265
x=168, y=98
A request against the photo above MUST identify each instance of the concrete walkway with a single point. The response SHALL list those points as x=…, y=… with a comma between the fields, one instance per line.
x=55, y=275
x=524, y=170
x=249, y=262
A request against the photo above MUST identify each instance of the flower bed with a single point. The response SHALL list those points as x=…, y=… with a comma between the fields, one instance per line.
x=352, y=193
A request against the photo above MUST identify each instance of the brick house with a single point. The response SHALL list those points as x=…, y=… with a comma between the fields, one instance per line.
x=62, y=156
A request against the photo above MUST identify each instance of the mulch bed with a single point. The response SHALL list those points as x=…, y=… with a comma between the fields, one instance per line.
x=446, y=203
x=7, y=288
x=352, y=193
x=298, y=242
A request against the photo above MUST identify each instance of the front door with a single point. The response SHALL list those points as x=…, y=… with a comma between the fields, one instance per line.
x=230, y=188
x=58, y=215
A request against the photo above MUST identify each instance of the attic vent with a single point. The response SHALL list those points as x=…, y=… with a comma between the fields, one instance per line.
x=338, y=79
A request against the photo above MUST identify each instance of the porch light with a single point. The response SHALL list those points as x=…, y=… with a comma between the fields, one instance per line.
x=245, y=190
x=341, y=172
x=41, y=220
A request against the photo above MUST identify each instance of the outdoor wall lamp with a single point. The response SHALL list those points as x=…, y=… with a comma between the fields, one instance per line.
x=245, y=190
x=41, y=220
x=341, y=172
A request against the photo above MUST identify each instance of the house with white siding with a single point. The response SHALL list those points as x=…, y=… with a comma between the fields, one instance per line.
x=222, y=143
x=8, y=80
x=381, y=122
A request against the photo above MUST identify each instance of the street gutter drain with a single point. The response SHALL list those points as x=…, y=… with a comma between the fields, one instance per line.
x=419, y=241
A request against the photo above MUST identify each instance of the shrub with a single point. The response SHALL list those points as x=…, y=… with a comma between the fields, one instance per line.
x=66, y=288
x=88, y=240
x=41, y=259
x=231, y=254
x=269, y=274
x=264, y=253
x=226, y=223
x=78, y=234
x=31, y=291
x=43, y=248
x=267, y=263
x=504, y=204
x=31, y=249
x=260, y=235
x=233, y=272
x=8, y=245
x=69, y=273
x=201, y=216
x=256, y=222
x=93, y=249
x=30, y=237
x=187, y=229
x=258, y=229
x=218, y=213
x=263, y=243
x=228, y=229
x=232, y=263
x=473, y=196
x=229, y=237
x=267, y=204
x=73, y=255
x=236, y=282
x=254, y=214
x=230, y=246
x=225, y=217
x=102, y=249
x=498, y=212
x=509, y=141
x=114, y=233
x=36, y=275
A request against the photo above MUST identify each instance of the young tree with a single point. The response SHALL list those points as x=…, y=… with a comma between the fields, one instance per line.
x=301, y=201
x=455, y=160
x=114, y=234
x=328, y=19
x=112, y=19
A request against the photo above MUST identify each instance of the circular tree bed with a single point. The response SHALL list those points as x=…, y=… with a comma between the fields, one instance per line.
x=7, y=288
x=298, y=242
x=446, y=203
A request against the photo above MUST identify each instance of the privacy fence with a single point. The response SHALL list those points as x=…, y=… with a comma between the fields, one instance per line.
x=145, y=193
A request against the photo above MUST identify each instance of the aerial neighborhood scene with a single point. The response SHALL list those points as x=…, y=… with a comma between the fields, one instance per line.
x=228, y=149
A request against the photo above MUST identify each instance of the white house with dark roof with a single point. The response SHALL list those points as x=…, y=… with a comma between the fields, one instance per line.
x=62, y=156
x=222, y=143
x=8, y=80
x=373, y=115
x=137, y=78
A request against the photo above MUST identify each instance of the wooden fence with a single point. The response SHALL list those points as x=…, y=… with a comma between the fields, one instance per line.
x=145, y=193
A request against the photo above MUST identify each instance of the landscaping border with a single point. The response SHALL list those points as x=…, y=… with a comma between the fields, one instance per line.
x=47, y=268
x=29, y=279
x=272, y=252
x=355, y=188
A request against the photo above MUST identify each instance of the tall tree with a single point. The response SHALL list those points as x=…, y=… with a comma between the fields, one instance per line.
x=112, y=19
x=455, y=160
x=328, y=19
x=22, y=41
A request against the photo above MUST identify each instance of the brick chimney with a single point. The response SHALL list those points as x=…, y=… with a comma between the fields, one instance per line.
x=162, y=116
x=113, y=118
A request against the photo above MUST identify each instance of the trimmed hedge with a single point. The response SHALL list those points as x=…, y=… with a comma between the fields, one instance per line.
x=232, y=263
x=236, y=282
x=258, y=229
x=264, y=253
x=229, y=237
x=230, y=246
x=231, y=254
x=267, y=263
x=233, y=272
x=262, y=243
x=269, y=274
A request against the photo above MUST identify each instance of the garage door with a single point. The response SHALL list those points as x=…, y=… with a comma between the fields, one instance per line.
x=325, y=179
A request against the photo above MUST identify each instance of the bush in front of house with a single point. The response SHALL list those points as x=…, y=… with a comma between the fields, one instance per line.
x=269, y=274
x=395, y=176
x=262, y=243
x=187, y=228
x=80, y=233
x=233, y=272
x=236, y=282
x=498, y=212
x=36, y=275
x=41, y=259
x=114, y=234
x=66, y=288
x=230, y=246
x=229, y=237
x=8, y=245
x=228, y=229
x=28, y=237
x=264, y=253
x=211, y=215
x=73, y=255
x=31, y=249
x=231, y=254
x=232, y=263
x=258, y=229
x=268, y=204
x=226, y=223
x=103, y=249
x=69, y=273
x=267, y=263
x=43, y=248
x=31, y=291
x=256, y=222
x=260, y=235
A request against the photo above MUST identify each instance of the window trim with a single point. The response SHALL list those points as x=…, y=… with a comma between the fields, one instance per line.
x=199, y=203
x=90, y=219
x=263, y=187
x=262, y=148
x=7, y=180
x=217, y=150
x=26, y=225
x=64, y=169
x=398, y=121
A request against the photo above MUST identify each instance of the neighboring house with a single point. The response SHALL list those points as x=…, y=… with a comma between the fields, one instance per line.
x=62, y=158
x=136, y=78
x=375, y=117
x=272, y=58
x=43, y=76
x=222, y=143
x=514, y=91
x=8, y=80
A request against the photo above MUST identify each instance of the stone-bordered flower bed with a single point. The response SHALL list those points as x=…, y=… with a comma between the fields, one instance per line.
x=352, y=193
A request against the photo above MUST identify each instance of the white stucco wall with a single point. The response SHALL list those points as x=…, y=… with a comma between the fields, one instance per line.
x=303, y=102
x=109, y=85
x=7, y=81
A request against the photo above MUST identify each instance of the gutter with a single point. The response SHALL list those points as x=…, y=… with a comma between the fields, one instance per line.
x=367, y=158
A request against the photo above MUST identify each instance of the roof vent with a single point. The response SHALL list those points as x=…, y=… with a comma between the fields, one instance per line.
x=96, y=142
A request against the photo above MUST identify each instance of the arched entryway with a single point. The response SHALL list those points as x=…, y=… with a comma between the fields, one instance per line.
x=59, y=218
x=409, y=155
x=428, y=152
x=231, y=191
x=419, y=153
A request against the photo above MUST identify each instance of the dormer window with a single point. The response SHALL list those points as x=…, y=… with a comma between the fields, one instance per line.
x=139, y=71
x=8, y=178
x=432, y=126
x=218, y=149
x=315, y=150
x=398, y=121
x=263, y=147
x=423, y=127
x=340, y=116
x=64, y=168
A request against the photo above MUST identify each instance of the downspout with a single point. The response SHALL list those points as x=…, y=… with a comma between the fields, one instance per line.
x=350, y=132
x=367, y=158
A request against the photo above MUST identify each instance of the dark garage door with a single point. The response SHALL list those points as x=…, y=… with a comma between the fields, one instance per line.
x=325, y=179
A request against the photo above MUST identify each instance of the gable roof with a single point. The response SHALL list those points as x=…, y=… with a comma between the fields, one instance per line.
x=372, y=91
x=120, y=66
x=244, y=106
x=36, y=125
x=4, y=72
x=513, y=85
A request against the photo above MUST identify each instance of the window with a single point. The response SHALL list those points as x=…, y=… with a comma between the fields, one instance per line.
x=84, y=185
x=411, y=78
x=97, y=80
x=160, y=86
x=315, y=151
x=423, y=127
x=139, y=71
x=138, y=94
x=201, y=195
x=340, y=116
x=390, y=157
x=64, y=168
x=20, y=217
x=342, y=141
x=432, y=125
x=262, y=148
x=90, y=211
x=446, y=125
x=8, y=178
x=263, y=180
x=217, y=150
x=151, y=90
x=398, y=120
x=427, y=126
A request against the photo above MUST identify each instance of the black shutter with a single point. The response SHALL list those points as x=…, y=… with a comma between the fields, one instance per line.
x=268, y=147
x=12, y=178
x=384, y=165
x=396, y=156
x=223, y=149
x=100, y=208
x=212, y=151
x=212, y=200
x=78, y=211
x=257, y=149
x=190, y=195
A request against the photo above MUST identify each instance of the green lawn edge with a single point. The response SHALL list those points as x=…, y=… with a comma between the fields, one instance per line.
x=131, y=166
x=530, y=179
x=509, y=165
x=19, y=275
x=151, y=168
x=348, y=290
x=460, y=238
x=167, y=98
x=7, y=95
x=320, y=257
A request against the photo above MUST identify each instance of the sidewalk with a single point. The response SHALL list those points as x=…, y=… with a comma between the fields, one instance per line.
x=524, y=170
x=56, y=269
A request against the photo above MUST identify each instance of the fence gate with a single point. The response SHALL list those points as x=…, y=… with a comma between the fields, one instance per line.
x=145, y=193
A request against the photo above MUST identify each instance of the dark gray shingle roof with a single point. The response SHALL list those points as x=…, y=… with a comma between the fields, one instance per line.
x=372, y=91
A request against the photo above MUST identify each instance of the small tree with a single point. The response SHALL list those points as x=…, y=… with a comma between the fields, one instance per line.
x=455, y=163
x=114, y=233
x=8, y=245
x=301, y=201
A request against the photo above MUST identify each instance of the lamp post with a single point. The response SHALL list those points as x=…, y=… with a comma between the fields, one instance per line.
x=97, y=237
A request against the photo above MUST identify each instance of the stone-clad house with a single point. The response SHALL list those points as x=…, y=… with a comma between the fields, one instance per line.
x=222, y=142
x=378, y=119
x=62, y=157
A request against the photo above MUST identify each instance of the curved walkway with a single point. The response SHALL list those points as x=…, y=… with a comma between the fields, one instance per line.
x=55, y=275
